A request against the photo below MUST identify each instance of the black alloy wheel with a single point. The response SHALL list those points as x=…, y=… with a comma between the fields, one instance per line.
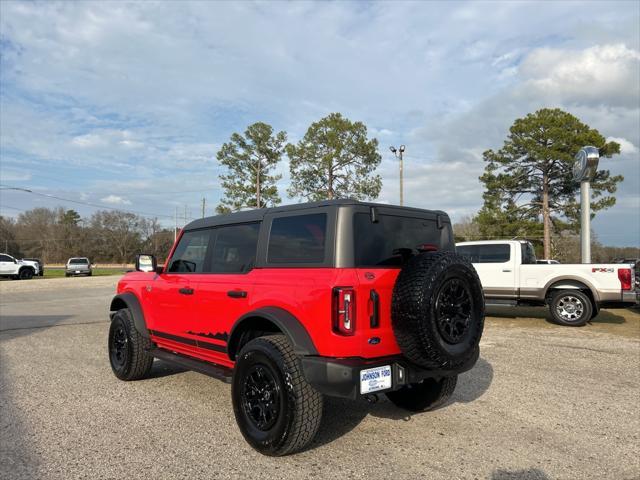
x=119, y=350
x=261, y=397
x=453, y=310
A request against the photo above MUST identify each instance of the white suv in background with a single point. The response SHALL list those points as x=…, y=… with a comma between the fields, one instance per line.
x=17, y=269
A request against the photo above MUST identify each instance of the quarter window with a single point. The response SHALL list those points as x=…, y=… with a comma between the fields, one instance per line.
x=298, y=239
x=190, y=254
x=235, y=248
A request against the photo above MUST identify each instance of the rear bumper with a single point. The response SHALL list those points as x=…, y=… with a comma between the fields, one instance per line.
x=340, y=377
x=75, y=271
x=628, y=299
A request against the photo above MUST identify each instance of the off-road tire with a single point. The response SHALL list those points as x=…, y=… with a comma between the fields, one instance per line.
x=427, y=395
x=563, y=300
x=298, y=404
x=426, y=327
x=26, y=273
x=67, y=274
x=89, y=274
x=135, y=360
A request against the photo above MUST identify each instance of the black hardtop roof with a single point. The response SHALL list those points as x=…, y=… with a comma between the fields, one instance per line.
x=257, y=215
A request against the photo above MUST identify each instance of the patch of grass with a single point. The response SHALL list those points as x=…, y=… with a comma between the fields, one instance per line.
x=97, y=272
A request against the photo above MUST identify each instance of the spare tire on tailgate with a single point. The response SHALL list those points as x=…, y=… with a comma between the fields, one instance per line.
x=438, y=310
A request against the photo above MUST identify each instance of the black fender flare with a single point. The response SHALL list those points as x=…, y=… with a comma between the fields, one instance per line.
x=130, y=301
x=284, y=321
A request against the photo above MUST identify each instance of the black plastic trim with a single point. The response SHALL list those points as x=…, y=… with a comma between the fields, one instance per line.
x=133, y=304
x=216, y=371
x=340, y=377
x=285, y=321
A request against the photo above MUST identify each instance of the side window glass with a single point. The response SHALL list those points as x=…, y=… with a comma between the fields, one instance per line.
x=190, y=253
x=494, y=253
x=469, y=251
x=298, y=239
x=5, y=258
x=235, y=248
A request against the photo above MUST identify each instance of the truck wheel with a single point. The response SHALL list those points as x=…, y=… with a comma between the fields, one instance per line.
x=25, y=274
x=571, y=308
x=427, y=395
x=277, y=411
x=128, y=350
x=437, y=310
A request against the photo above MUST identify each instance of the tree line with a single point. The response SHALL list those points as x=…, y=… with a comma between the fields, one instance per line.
x=55, y=234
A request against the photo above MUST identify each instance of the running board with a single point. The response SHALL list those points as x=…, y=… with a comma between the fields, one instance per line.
x=215, y=371
x=496, y=302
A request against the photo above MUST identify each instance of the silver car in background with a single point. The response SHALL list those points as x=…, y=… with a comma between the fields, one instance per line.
x=77, y=266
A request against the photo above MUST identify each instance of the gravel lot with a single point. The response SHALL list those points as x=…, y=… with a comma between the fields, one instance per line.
x=543, y=402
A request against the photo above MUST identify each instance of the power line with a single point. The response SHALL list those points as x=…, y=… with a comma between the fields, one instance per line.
x=95, y=205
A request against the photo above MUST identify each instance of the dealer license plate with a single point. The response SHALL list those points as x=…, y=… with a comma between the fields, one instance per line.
x=77, y=271
x=374, y=379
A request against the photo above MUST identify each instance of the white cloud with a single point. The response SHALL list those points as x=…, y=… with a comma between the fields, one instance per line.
x=626, y=147
x=115, y=200
x=602, y=74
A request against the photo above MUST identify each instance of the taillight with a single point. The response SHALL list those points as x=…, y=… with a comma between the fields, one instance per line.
x=344, y=310
x=624, y=275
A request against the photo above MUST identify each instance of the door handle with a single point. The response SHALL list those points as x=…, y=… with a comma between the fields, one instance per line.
x=237, y=294
x=506, y=270
x=186, y=291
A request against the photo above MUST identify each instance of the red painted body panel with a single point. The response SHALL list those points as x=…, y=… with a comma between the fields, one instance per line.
x=207, y=316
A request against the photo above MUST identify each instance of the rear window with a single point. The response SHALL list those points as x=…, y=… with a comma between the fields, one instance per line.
x=79, y=261
x=391, y=239
x=499, y=253
x=298, y=239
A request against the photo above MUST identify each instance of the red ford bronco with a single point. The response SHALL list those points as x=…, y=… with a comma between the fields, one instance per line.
x=288, y=304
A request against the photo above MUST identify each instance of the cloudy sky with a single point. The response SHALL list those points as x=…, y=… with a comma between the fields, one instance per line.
x=125, y=105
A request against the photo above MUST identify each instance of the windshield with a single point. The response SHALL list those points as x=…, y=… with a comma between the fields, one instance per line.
x=392, y=239
x=80, y=261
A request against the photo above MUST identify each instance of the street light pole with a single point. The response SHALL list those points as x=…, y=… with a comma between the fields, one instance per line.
x=398, y=154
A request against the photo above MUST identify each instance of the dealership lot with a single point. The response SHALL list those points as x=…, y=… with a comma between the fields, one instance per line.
x=543, y=402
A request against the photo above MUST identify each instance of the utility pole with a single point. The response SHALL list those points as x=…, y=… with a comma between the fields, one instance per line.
x=185, y=215
x=398, y=154
x=203, y=206
x=175, y=231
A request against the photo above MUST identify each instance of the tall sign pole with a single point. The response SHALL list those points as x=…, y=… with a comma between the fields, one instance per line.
x=584, y=170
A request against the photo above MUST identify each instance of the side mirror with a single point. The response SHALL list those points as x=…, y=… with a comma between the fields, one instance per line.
x=146, y=263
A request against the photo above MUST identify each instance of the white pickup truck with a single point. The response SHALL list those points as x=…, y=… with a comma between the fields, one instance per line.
x=574, y=293
x=18, y=269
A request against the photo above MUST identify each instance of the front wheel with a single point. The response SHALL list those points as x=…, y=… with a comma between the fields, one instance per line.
x=571, y=308
x=426, y=395
x=128, y=350
x=277, y=411
x=25, y=274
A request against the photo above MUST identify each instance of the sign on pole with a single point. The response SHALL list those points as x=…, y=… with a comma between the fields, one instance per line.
x=583, y=171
